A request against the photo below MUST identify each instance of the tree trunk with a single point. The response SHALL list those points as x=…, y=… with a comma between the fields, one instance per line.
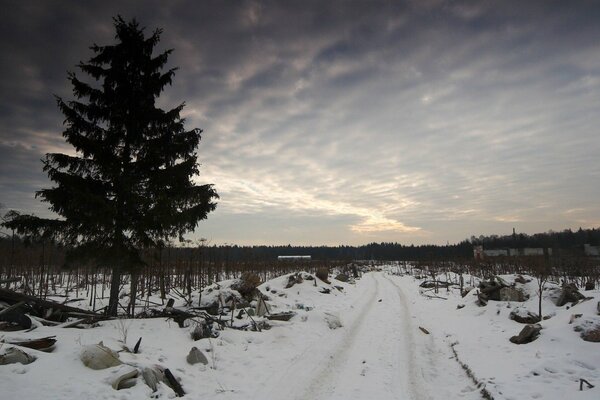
x=132, y=295
x=115, y=285
x=540, y=302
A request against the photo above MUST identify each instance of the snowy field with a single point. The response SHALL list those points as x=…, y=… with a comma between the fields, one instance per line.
x=362, y=340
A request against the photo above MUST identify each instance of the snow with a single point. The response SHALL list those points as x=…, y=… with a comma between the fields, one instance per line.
x=359, y=341
x=548, y=368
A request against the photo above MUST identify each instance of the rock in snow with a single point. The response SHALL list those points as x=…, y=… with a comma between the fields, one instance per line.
x=195, y=356
x=247, y=285
x=14, y=355
x=528, y=334
x=511, y=294
x=589, y=329
x=569, y=294
x=523, y=316
x=98, y=356
x=294, y=279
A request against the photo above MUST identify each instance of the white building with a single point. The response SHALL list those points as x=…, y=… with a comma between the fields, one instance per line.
x=496, y=253
x=480, y=253
x=293, y=258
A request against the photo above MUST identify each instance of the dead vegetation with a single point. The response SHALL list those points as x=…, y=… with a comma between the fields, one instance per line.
x=39, y=271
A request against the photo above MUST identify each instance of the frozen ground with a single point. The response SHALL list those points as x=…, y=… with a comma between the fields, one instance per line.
x=379, y=352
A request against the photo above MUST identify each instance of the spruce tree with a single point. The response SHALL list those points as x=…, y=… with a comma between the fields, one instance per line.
x=129, y=185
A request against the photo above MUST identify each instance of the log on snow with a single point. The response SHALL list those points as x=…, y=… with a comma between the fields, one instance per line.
x=11, y=296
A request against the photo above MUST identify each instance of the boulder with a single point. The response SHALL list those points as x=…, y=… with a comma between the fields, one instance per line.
x=589, y=329
x=294, y=279
x=500, y=281
x=569, y=294
x=323, y=274
x=98, y=356
x=342, y=277
x=195, y=356
x=511, y=294
x=14, y=355
x=202, y=330
x=225, y=298
x=589, y=285
x=528, y=334
x=491, y=289
x=247, y=285
x=523, y=316
x=521, y=279
x=592, y=335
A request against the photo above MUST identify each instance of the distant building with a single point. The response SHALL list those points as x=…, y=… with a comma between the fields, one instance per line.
x=536, y=251
x=495, y=253
x=293, y=258
x=479, y=253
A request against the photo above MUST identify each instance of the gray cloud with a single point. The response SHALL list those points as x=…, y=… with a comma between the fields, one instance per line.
x=345, y=122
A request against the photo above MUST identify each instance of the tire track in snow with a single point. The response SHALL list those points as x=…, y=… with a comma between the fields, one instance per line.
x=374, y=358
x=381, y=342
x=441, y=365
x=319, y=385
x=416, y=379
x=292, y=383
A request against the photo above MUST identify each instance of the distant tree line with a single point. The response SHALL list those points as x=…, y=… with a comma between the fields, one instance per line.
x=567, y=240
x=371, y=251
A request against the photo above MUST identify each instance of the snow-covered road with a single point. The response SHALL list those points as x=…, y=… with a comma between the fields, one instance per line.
x=371, y=356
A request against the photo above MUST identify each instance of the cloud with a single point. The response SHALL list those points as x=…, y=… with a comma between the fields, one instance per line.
x=346, y=122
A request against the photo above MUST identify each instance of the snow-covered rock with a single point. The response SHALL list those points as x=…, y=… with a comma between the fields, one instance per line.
x=589, y=329
x=98, y=356
x=528, y=334
x=195, y=356
x=14, y=355
x=523, y=316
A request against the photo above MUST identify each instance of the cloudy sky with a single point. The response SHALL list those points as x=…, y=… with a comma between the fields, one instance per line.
x=343, y=122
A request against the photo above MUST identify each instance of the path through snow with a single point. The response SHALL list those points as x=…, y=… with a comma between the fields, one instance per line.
x=372, y=356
